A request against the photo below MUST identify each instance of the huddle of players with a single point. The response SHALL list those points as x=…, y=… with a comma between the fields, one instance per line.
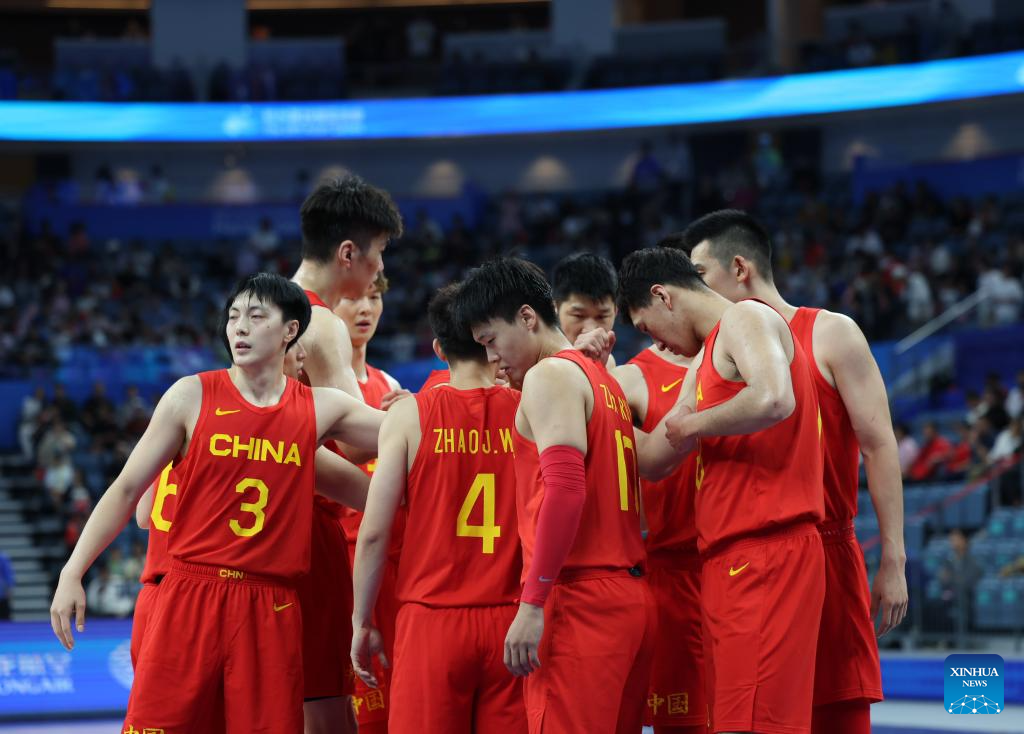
x=723, y=630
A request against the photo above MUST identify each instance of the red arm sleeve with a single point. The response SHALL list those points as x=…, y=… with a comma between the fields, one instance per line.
x=565, y=491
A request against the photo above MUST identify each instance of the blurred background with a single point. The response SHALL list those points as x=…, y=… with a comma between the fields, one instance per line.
x=151, y=151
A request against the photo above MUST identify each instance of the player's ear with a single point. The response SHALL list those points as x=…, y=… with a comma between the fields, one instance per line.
x=528, y=316
x=438, y=351
x=741, y=269
x=346, y=253
x=291, y=330
x=661, y=293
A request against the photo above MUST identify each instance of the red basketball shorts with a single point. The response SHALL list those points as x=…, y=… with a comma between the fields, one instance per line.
x=144, y=604
x=222, y=652
x=676, y=695
x=595, y=657
x=762, y=602
x=449, y=675
x=847, y=667
x=385, y=614
x=326, y=595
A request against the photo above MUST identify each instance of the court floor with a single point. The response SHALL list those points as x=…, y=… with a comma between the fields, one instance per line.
x=890, y=717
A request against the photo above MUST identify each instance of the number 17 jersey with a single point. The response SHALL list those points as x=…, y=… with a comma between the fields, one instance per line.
x=461, y=546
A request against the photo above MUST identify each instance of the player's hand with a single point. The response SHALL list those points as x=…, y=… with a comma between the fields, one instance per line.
x=393, y=397
x=367, y=643
x=681, y=429
x=889, y=596
x=596, y=344
x=523, y=639
x=68, y=602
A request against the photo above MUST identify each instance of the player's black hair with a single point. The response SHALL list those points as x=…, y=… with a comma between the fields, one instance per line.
x=456, y=340
x=675, y=240
x=654, y=266
x=584, y=274
x=345, y=209
x=498, y=288
x=270, y=289
x=731, y=232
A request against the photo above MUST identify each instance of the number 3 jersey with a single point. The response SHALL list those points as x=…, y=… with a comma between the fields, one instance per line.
x=245, y=499
x=461, y=545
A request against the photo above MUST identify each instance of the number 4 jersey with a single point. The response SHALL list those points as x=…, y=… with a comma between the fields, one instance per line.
x=245, y=498
x=461, y=545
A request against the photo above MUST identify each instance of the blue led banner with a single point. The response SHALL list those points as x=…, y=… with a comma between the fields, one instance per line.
x=38, y=677
x=722, y=101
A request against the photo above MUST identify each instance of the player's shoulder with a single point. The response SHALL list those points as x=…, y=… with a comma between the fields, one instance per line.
x=629, y=375
x=836, y=334
x=392, y=382
x=403, y=414
x=750, y=314
x=185, y=390
x=552, y=375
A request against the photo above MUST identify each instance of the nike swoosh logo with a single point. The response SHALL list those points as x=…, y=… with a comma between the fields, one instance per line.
x=279, y=607
x=545, y=579
x=666, y=388
x=221, y=411
x=735, y=571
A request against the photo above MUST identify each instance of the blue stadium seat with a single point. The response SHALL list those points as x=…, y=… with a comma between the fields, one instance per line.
x=988, y=604
x=969, y=512
x=999, y=524
x=1012, y=603
x=1017, y=525
x=914, y=534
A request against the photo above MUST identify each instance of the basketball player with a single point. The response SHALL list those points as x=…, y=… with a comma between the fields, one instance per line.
x=449, y=454
x=676, y=697
x=758, y=488
x=732, y=252
x=228, y=599
x=346, y=225
x=380, y=390
x=583, y=633
x=584, y=286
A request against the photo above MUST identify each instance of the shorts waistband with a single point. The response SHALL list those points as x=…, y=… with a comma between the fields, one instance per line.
x=225, y=575
x=768, y=535
x=836, y=532
x=585, y=574
x=686, y=558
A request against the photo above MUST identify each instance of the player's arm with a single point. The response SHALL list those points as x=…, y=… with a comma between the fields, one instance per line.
x=340, y=417
x=396, y=392
x=750, y=339
x=329, y=364
x=161, y=442
x=863, y=391
x=145, y=507
x=340, y=480
x=660, y=452
x=554, y=407
x=634, y=387
x=386, y=489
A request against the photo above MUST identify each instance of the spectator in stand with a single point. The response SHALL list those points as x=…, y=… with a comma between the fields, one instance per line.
x=75, y=524
x=995, y=412
x=934, y=453
x=28, y=424
x=647, y=175
x=958, y=575
x=1007, y=443
x=7, y=581
x=859, y=50
x=962, y=454
x=159, y=189
x=109, y=596
x=66, y=407
x=1015, y=399
x=1004, y=293
x=906, y=446
x=133, y=416
x=265, y=241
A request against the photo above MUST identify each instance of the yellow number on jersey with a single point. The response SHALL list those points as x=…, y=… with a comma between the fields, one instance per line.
x=163, y=488
x=256, y=508
x=627, y=472
x=483, y=483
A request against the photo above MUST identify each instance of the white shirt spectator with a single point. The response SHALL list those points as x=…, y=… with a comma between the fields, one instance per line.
x=1005, y=295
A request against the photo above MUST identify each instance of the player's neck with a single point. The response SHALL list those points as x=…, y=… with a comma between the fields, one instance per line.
x=260, y=385
x=471, y=375
x=359, y=362
x=676, y=359
x=707, y=311
x=768, y=293
x=320, y=279
x=551, y=341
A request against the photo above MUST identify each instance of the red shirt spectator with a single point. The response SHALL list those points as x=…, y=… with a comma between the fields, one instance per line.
x=935, y=451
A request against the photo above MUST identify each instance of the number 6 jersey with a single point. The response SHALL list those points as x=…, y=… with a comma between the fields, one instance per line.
x=461, y=545
x=245, y=499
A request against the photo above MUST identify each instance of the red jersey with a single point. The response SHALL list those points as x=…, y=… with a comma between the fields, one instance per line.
x=246, y=493
x=609, y=533
x=760, y=481
x=668, y=503
x=435, y=378
x=461, y=501
x=842, y=450
x=165, y=496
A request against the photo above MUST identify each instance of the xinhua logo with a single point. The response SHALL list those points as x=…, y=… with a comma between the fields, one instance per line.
x=974, y=684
